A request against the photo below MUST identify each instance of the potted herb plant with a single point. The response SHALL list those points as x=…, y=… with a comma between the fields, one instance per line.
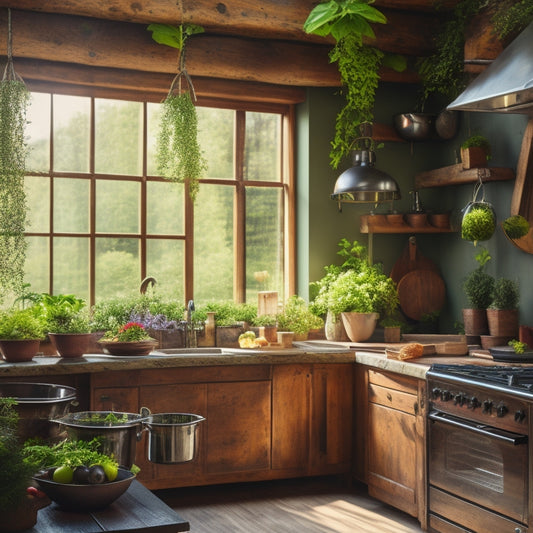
x=128, y=339
x=297, y=317
x=18, y=503
x=478, y=288
x=21, y=331
x=475, y=152
x=67, y=323
x=360, y=297
x=502, y=314
x=392, y=329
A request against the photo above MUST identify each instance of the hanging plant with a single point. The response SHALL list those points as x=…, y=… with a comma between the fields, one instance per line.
x=479, y=218
x=179, y=157
x=14, y=100
x=348, y=21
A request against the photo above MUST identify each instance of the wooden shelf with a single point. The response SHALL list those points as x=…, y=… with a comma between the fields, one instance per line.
x=456, y=175
x=375, y=224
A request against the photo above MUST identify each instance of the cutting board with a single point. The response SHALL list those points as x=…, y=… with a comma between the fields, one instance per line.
x=411, y=259
x=421, y=292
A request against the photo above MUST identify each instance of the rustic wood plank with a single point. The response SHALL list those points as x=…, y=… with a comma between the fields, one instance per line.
x=455, y=175
x=407, y=33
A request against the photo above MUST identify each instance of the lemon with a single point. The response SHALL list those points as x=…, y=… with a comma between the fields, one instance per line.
x=63, y=474
x=111, y=471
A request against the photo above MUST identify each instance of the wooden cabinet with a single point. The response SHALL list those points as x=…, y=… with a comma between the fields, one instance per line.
x=394, y=440
x=312, y=418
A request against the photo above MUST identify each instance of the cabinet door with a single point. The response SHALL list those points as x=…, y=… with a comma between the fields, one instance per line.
x=177, y=398
x=291, y=417
x=331, y=418
x=238, y=422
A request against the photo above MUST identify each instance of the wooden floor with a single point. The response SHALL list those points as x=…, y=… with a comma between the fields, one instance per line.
x=316, y=505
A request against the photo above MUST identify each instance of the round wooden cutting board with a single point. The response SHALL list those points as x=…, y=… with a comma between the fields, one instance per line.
x=421, y=292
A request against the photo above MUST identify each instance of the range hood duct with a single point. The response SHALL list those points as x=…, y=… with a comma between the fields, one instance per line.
x=506, y=86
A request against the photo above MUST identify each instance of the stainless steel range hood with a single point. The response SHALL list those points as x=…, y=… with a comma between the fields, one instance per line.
x=506, y=86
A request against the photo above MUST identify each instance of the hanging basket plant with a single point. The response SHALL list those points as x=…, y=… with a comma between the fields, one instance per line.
x=14, y=101
x=348, y=21
x=179, y=157
x=479, y=218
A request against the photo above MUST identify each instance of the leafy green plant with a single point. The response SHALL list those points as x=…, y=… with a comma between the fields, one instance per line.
x=227, y=313
x=478, y=223
x=516, y=226
x=15, y=474
x=21, y=324
x=477, y=141
x=348, y=21
x=479, y=285
x=391, y=322
x=264, y=320
x=297, y=317
x=64, y=313
x=179, y=157
x=511, y=16
x=14, y=101
x=505, y=295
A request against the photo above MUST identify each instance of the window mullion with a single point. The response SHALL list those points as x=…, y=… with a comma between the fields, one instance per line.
x=239, y=225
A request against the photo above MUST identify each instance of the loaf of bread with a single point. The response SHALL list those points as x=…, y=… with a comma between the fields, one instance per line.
x=412, y=350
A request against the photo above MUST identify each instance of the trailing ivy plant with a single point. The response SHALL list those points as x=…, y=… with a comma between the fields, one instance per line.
x=442, y=73
x=348, y=21
x=179, y=157
x=14, y=101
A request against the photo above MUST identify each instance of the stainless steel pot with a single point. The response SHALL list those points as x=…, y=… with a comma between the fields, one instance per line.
x=172, y=437
x=37, y=405
x=117, y=438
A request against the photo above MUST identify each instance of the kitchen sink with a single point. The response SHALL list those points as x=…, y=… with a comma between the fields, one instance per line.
x=196, y=352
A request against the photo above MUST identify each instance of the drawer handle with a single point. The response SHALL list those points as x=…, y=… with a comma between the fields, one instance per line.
x=389, y=396
x=104, y=397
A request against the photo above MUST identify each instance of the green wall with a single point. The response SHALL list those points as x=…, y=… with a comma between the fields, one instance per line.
x=320, y=225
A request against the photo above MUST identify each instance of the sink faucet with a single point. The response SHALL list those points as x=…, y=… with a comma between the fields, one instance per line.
x=145, y=282
x=190, y=334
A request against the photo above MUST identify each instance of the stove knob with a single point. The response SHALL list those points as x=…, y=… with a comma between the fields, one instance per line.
x=435, y=393
x=473, y=403
x=459, y=398
x=487, y=407
x=519, y=415
x=501, y=410
x=446, y=395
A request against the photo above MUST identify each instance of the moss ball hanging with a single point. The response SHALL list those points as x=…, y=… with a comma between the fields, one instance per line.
x=479, y=223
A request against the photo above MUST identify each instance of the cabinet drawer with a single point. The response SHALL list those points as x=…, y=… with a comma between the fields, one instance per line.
x=393, y=381
x=394, y=399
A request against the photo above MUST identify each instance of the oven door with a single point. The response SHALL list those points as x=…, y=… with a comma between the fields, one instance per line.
x=481, y=464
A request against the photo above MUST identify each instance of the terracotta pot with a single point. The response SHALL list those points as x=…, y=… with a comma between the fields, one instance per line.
x=24, y=516
x=359, y=326
x=71, y=344
x=392, y=334
x=475, y=322
x=503, y=322
x=473, y=157
x=16, y=351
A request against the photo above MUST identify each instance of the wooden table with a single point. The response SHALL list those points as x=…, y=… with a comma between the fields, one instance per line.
x=136, y=511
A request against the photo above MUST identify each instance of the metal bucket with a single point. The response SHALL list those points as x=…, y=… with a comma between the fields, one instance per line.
x=118, y=438
x=172, y=437
x=37, y=405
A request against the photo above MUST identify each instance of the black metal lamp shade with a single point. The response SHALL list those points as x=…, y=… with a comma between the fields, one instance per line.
x=363, y=183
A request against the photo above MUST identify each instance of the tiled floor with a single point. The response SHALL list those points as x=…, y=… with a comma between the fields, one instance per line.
x=316, y=505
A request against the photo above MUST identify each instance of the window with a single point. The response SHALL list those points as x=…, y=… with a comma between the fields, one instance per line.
x=100, y=218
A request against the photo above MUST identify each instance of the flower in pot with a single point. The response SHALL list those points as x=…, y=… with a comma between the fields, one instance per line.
x=475, y=152
x=360, y=297
x=298, y=318
x=21, y=331
x=478, y=287
x=502, y=314
x=18, y=504
x=128, y=339
x=67, y=323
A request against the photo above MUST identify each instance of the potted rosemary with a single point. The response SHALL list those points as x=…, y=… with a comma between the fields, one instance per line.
x=502, y=314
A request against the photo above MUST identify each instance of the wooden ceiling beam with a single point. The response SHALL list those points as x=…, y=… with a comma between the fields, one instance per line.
x=119, y=45
x=410, y=28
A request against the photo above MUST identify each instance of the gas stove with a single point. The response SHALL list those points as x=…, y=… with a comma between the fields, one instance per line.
x=488, y=394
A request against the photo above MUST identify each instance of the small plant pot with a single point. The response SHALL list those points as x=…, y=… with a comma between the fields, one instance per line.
x=475, y=322
x=417, y=220
x=17, y=351
x=71, y=345
x=359, y=326
x=503, y=322
x=392, y=334
x=491, y=341
x=439, y=220
x=473, y=157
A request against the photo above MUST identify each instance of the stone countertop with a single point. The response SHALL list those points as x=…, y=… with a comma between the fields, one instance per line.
x=302, y=352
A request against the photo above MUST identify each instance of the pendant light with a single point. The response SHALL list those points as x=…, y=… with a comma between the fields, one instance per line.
x=363, y=182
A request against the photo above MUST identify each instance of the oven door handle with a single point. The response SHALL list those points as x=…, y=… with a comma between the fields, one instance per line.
x=489, y=431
